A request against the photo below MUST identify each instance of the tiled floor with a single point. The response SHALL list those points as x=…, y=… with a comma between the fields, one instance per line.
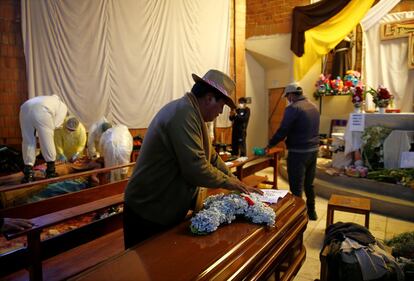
x=380, y=226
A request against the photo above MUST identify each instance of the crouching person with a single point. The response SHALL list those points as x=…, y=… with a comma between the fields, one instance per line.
x=41, y=115
x=116, y=143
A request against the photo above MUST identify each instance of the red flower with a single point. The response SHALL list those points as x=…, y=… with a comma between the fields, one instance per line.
x=249, y=201
x=358, y=95
x=383, y=94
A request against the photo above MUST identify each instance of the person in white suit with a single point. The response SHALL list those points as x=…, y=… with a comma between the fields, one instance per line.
x=116, y=145
x=94, y=136
x=41, y=115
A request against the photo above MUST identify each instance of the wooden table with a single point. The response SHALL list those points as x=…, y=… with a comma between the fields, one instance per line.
x=241, y=250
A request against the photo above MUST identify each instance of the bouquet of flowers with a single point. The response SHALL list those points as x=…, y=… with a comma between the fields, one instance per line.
x=372, y=146
x=352, y=79
x=381, y=97
x=357, y=96
x=221, y=208
x=326, y=86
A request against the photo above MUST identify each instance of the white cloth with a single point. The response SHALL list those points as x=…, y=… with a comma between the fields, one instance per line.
x=43, y=114
x=386, y=63
x=122, y=59
x=395, y=144
x=395, y=121
x=116, y=144
x=376, y=13
x=94, y=136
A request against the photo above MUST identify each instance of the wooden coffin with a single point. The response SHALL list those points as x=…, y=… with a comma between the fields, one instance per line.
x=238, y=251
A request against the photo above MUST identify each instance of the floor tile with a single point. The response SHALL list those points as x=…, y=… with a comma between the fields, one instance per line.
x=310, y=269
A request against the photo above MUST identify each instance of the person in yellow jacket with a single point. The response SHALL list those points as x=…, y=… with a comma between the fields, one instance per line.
x=70, y=140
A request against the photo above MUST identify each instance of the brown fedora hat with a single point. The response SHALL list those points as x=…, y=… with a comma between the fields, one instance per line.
x=220, y=81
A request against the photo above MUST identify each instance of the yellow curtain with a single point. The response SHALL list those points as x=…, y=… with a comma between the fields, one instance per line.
x=324, y=37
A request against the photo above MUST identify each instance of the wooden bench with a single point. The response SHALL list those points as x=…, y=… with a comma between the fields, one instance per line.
x=246, y=170
x=55, y=210
x=348, y=204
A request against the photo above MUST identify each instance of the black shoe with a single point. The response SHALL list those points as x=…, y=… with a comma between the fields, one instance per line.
x=50, y=170
x=28, y=174
x=27, y=179
x=51, y=175
x=312, y=215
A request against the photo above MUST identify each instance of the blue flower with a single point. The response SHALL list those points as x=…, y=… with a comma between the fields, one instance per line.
x=221, y=208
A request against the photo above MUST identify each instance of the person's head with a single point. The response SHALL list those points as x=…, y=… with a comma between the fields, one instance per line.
x=242, y=102
x=213, y=91
x=105, y=126
x=292, y=92
x=72, y=123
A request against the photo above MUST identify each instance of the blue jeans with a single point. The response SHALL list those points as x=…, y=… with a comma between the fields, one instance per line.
x=301, y=169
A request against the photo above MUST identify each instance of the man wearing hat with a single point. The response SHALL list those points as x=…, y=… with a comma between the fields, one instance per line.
x=300, y=128
x=176, y=158
x=70, y=140
x=40, y=115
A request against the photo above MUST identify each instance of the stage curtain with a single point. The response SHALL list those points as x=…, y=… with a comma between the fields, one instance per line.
x=324, y=37
x=386, y=63
x=122, y=59
x=307, y=17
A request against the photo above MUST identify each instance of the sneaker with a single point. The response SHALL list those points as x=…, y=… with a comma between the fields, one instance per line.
x=312, y=215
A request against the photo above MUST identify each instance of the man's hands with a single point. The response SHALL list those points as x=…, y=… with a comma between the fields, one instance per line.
x=237, y=185
x=14, y=224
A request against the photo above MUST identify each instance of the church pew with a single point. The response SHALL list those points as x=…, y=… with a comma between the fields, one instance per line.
x=245, y=171
x=58, y=209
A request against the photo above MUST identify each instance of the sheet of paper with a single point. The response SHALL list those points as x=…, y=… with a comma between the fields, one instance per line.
x=357, y=122
x=272, y=195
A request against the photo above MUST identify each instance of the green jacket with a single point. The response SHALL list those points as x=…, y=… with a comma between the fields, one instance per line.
x=172, y=164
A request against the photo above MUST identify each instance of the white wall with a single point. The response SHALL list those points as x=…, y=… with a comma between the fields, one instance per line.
x=273, y=55
x=255, y=88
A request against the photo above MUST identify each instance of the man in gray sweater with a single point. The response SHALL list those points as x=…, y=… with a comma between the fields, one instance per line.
x=176, y=158
x=300, y=128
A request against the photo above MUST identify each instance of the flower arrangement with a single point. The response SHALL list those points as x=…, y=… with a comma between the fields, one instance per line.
x=381, y=97
x=326, y=86
x=372, y=146
x=357, y=96
x=221, y=208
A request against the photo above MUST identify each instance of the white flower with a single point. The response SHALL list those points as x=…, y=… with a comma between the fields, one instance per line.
x=222, y=208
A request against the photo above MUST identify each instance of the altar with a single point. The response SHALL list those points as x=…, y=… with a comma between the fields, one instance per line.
x=358, y=122
x=238, y=251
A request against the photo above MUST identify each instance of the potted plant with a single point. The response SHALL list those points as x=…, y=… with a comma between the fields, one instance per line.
x=357, y=98
x=381, y=97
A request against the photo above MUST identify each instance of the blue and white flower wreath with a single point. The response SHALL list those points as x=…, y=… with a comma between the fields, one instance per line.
x=221, y=208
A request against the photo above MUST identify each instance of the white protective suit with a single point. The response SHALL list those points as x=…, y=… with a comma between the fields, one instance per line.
x=116, y=144
x=94, y=136
x=42, y=114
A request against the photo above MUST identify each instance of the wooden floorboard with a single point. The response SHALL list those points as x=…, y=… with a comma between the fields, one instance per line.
x=78, y=259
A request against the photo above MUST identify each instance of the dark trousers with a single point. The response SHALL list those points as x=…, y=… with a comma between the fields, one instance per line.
x=137, y=229
x=238, y=144
x=301, y=169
